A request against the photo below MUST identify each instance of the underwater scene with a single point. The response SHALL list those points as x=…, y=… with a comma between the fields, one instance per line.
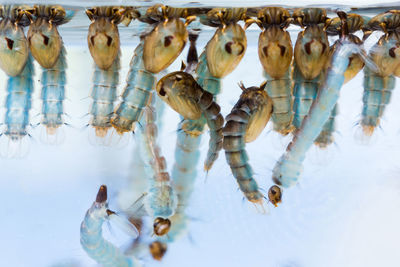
x=178, y=133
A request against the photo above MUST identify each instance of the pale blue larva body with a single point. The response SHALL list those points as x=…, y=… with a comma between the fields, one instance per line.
x=288, y=168
x=136, y=94
x=18, y=102
x=53, y=94
x=376, y=96
x=103, y=95
x=93, y=242
x=161, y=200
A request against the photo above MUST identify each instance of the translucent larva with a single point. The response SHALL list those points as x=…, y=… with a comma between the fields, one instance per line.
x=18, y=105
x=14, y=49
x=53, y=94
x=158, y=48
x=288, y=168
x=91, y=234
x=228, y=45
x=247, y=119
x=354, y=22
x=181, y=92
x=275, y=52
x=161, y=200
x=44, y=39
x=229, y=36
x=184, y=171
x=103, y=36
x=103, y=95
x=379, y=83
x=311, y=54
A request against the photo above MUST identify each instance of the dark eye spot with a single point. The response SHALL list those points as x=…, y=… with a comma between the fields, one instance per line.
x=307, y=47
x=168, y=40
x=283, y=49
x=228, y=47
x=265, y=50
x=162, y=92
x=92, y=40
x=350, y=60
x=45, y=39
x=178, y=78
x=392, y=53
x=10, y=43
x=109, y=40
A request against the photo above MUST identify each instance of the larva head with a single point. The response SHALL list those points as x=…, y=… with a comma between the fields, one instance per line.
x=274, y=16
x=309, y=16
x=311, y=51
x=13, y=48
x=161, y=226
x=275, y=51
x=225, y=50
x=275, y=195
x=386, y=54
x=221, y=16
x=44, y=42
x=180, y=90
x=164, y=44
x=355, y=23
x=103, y=38
x=387, y=21
x=102, y=194
x=157, y=250
x=258, y=100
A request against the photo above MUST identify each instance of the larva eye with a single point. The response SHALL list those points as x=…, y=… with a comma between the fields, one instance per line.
x=178, y=78
x=168, y=40
x=162, y=92
x=109, y=40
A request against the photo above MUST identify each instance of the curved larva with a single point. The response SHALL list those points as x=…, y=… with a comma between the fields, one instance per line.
x=253, y=110
x=91, y=235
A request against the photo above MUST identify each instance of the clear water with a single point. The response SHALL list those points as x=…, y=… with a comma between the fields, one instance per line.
x=344, y=211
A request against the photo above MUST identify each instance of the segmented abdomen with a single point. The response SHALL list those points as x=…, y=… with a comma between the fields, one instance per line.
x=304, y=91
x=204, y=78
x=184, y=173
x=325, y=138
x=18, y=102
x=212, y=85
x=103, y=94
x=281, y=94
x=235, y=153
x=53, y=93
x=135, y=96
x=377, y=93
x=288, y=168
x=162, y=200
x=99, y=249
